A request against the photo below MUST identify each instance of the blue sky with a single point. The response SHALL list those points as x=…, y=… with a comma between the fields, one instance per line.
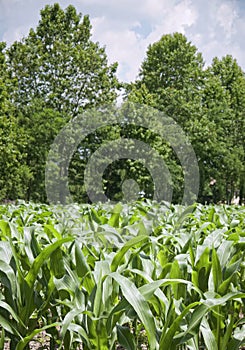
x=127, y=27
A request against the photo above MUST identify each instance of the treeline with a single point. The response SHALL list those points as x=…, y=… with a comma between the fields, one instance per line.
x=57, y=72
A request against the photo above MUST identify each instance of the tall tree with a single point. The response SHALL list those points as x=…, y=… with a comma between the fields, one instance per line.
x=14, y=173
x=232, y=79
x=210, y=137
x=172, y=73
x=60, y=64
x=60, y=72
x=40, y=126
x=170, y=80
x=207, y=103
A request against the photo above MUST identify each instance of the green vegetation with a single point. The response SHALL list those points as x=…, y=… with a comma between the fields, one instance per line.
x=206, y=103
x=57, y=72
x=101, y=275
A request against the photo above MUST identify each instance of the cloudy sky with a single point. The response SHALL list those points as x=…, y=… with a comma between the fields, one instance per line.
x=127, y=27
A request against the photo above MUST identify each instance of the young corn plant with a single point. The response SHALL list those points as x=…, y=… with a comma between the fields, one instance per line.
x=24, y=288
x=99, y=276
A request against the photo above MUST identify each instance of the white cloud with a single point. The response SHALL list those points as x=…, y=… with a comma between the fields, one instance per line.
x=18, y=16
x=177, y=18
x=128, y=46
x=14, y=34
x=127, y=27
x=124, y=46
x=226, y=16
x=219, y=30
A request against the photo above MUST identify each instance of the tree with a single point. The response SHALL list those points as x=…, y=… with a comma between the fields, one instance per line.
x=59, y=72
x=123, y=155
x=170, y=80
x=210, y=137
x=207, y=103
x=59, y=64
x=14, y=173
x=171, y=62
x=40, y=126
x=232, y=80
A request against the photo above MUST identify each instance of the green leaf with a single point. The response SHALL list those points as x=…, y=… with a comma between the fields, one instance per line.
x=57, y=263
x=83, y=269
x=7, y=326
x=125, y=338
x=41, y=259
x=211, y=301
x=208, y=336
x=22, y=344
x=5, y=227
x=68, y=319
x=80, y=330
x=114, y=219
x=2, y=339
x=139, y=304
x=12, y=313
x=216, y=270
x=119, y=256
x=166, y=339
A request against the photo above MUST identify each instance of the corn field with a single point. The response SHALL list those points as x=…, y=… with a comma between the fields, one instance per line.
x=122, y=276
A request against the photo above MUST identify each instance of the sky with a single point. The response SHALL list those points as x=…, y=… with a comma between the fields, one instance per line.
x=127, y=27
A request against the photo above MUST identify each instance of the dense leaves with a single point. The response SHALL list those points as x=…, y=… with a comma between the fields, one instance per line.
x=14, y=172
x=58, y=63
x=103, y=275
x=207, y=103
x=56, y=72
x=46, y=79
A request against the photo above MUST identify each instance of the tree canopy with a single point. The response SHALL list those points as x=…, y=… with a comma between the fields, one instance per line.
x=207, y=102
x=60, y=64
x=57, y=71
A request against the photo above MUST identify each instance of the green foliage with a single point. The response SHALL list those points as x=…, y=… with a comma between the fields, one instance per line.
x=50, y=76
x=59, y=64
x=131, y=127
x=40, y=125
x=207, y=103
x=101, y=276
x=14, y=172
x=231, y=125
x=172, y=62
x=57, y=72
